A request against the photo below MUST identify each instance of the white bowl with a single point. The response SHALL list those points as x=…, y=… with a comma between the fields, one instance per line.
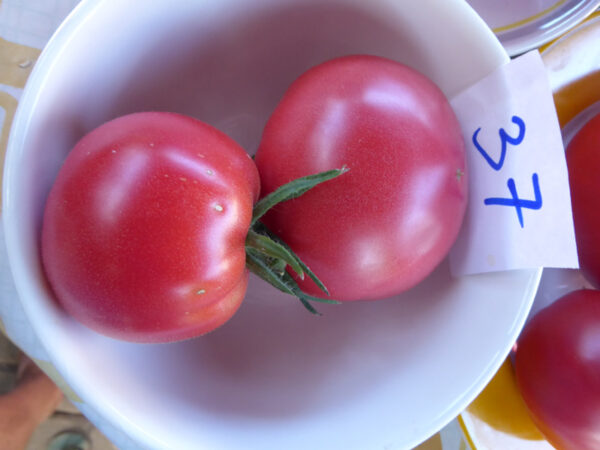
x=385, y=374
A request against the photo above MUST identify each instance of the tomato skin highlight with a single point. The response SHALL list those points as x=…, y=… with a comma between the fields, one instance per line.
x=144, y=228
x=557, y=364
x=386, y=224
x=583, y=162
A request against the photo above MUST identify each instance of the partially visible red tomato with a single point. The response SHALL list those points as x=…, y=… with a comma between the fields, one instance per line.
x=557, y=365
x=386, y=224
x=144, y=229
x=583, y=161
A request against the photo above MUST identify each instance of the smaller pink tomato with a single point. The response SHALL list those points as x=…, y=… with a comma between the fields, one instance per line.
x=144, y=230
x=149, y=229
x=557, y=365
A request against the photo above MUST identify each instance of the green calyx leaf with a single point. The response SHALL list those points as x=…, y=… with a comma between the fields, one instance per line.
x=282, y=255
x=261, y=228
x=260, y=266
x=293, y=189
x=268, y=256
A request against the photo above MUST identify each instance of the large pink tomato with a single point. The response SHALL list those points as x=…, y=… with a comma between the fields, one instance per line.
x=387, y=223
x=144, y=229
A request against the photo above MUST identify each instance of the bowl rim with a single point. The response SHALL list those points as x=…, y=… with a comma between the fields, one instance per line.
x=65, y=32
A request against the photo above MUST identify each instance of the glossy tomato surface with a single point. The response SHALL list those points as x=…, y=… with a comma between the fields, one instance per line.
x=583, y=161
x=557, y=365
x=143, y=232
x=386, y=224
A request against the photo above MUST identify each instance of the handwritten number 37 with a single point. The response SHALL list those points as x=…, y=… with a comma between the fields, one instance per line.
x=514, y=200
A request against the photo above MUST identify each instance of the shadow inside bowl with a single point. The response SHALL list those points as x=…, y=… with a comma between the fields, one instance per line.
x=274, y=359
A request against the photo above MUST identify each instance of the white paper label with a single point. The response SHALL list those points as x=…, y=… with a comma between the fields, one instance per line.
x=519, y=214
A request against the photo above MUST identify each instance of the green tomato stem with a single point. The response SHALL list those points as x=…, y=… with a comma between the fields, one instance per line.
x=285, y=283
x=271, y=248
x=267, y=255
x=261, y=228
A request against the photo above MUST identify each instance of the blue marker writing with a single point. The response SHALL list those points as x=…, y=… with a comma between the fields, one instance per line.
x=505, y=139
x=517, y=202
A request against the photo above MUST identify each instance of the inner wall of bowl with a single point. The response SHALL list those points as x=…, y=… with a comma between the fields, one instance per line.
x=228, y=63
x=273, y=369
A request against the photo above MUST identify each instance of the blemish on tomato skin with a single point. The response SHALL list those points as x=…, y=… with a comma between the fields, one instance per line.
x=113, y=151
x=209, y=172
x=183, y=179
x=201, y=292
x=459, y=174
